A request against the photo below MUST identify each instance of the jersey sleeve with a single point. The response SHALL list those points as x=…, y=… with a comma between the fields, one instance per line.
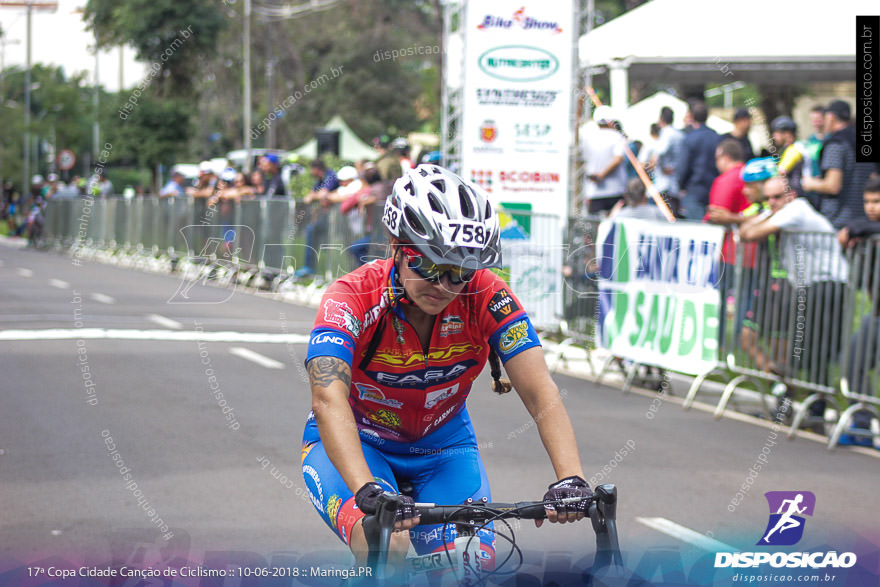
x=338, y=324
x=502, y=317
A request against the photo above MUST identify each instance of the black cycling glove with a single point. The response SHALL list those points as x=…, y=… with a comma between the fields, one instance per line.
x=367, y=498
x=569, y=487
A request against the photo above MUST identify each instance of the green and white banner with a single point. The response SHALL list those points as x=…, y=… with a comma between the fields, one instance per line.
x=658, y=292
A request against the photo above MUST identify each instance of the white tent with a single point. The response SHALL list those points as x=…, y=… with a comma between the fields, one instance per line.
x=351, y=147
x=714, y=41
x=639, y=117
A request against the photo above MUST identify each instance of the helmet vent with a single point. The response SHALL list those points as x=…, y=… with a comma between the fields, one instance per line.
x=409, y=188
x=435, y=203
x=467, y=206
x=422, y=172
x=414, y=223
x=488, y=210
x=440, y=185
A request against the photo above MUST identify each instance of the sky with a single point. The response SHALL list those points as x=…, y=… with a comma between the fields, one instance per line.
x=61, y=38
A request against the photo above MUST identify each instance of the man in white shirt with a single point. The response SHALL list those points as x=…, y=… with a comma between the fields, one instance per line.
x=817, y=272
x=604, y=151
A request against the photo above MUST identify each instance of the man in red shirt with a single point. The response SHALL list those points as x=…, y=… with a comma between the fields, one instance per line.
x=726, y=204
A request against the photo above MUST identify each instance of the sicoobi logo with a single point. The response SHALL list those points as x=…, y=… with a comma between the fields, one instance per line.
x=786, y=524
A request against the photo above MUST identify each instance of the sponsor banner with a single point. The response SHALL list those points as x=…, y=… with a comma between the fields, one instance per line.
x=517, y=92
x=658, y=293
x=532, y=250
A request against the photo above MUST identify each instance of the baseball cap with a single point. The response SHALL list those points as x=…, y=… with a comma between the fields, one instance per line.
x=271, y=158
x=759, y=169
x=346, y=173
x=228, y=174
x=840, y=109
x=205, y=167
x=783, y=123
x=741, y=113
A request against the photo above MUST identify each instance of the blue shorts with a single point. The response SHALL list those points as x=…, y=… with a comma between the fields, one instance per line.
x=445, y=474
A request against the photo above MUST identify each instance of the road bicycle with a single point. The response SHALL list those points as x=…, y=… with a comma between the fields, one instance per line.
x=463, y=557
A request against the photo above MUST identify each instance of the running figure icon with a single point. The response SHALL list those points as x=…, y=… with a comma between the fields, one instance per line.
x=786, y=521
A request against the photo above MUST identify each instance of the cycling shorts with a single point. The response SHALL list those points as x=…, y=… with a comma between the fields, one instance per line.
x=451, y=473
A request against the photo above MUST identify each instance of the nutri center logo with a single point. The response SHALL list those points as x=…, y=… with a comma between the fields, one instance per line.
x=787, y=511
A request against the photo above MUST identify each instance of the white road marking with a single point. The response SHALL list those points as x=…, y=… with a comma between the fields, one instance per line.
x=59, y=283
x=257, y=358
x=169, y=335
x=103, y=298
x=24, y=272
x=163, y=321
x=686, y=534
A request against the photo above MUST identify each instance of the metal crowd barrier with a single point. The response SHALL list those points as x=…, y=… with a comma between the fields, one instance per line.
x=264, y=236
x=580, y=292
x=860, y=376
x=786, y=329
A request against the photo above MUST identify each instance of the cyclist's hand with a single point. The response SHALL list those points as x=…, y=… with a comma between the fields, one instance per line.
x=566, y=512
x=367, y=499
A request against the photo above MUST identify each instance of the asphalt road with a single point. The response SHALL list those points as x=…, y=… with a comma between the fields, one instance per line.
x=234, y=484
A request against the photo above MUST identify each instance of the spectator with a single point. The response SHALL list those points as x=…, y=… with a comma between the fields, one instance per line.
x=53, y=186
x=400, y=147
x=864, y=342
x=273, y=185
x=648, y=153
x=105, y=188
x=603, y=154
x=843, y=183
x=257, y=183
x=316, y=231
x=371, y=203
x=814, y=142
x=387, y=163
x=792, y=155
x=727, y=202
x=635, y=203
x=668, y=152
x=812, y=262
x=206, y=182
x=696, y=167
x=742, y=123
x=174, y=188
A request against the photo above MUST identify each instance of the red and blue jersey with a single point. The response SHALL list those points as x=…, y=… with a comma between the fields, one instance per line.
x=404, y=393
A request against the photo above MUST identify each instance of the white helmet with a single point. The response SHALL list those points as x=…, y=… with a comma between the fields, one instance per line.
x=445, y=218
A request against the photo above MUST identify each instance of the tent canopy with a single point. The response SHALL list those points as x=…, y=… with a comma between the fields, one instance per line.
x=351, y=147
x=709, y=41
x=637, y=119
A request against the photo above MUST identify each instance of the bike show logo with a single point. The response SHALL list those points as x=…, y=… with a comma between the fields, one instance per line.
x=435, y=397
x=341, y=314
x=519, y=19
x=518, y=63
x=785, y=527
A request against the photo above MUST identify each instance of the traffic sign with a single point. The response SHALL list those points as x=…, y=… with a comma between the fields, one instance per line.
x=66, y=159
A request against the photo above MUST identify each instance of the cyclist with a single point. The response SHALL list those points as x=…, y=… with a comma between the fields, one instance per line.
x=394, y=351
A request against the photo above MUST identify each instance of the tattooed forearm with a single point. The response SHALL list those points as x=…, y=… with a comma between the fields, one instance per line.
x=325, y=370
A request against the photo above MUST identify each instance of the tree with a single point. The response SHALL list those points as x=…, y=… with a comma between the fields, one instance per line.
x=178, y=36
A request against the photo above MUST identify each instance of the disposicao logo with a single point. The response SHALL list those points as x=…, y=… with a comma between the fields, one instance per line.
x=786, y=525
x=786, y=528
